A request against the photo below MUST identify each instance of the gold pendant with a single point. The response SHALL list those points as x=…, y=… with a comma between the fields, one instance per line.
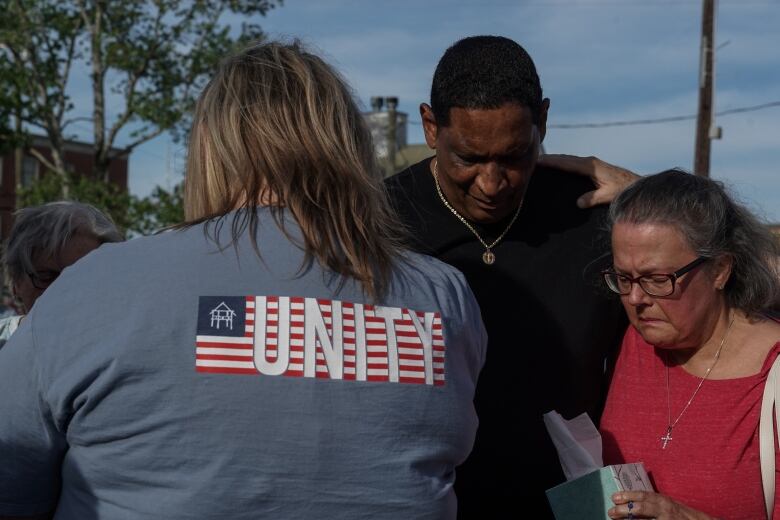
x=488, y=257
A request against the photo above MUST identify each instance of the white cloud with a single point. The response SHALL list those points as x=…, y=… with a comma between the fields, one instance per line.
x=598, y=61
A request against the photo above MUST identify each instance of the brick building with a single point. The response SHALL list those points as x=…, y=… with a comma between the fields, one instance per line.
x=79, y=158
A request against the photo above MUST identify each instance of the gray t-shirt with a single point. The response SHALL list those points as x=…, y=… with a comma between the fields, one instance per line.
x=162, y=378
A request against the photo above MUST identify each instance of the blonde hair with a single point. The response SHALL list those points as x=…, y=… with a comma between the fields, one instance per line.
x=277, y=125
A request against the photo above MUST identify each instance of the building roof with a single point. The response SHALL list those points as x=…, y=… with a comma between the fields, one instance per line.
x=75, y=146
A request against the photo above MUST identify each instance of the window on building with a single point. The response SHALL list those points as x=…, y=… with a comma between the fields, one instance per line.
x=29, y=171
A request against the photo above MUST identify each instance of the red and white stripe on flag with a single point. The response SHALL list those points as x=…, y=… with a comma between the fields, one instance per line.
x=328, y=339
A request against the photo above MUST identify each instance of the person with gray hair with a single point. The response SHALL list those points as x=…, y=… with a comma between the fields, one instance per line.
x=43, y=241
x=697, y=274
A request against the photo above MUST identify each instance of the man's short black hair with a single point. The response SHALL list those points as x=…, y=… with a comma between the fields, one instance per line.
x=484, y=72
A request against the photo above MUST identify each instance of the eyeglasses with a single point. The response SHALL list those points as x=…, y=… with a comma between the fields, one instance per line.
x=655, y=284
x=43, y=279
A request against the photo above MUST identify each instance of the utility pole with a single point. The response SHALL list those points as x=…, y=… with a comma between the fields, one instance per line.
x=704, y=129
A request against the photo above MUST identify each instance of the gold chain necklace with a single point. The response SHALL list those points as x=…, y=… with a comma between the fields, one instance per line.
x=488, y=256
x=666, y=439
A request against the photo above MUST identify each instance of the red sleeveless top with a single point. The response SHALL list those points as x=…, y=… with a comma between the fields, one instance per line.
x=712, y=462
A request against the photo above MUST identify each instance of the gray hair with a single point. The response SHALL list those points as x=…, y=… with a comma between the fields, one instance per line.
x=713, y=224
x=46, y=229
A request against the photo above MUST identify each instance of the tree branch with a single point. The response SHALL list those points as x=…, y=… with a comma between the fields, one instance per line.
x=98, y=86
x=63, y=80
x=43, y=160
x=72, y=120
x=38, y=83
x=127, y=150
x=33, y=122
x=190, y=79
x=132, y=81
x=84, y=15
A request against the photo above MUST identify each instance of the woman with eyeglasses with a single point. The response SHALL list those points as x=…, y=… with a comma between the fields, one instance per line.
x=43, y=241
x=698, y=276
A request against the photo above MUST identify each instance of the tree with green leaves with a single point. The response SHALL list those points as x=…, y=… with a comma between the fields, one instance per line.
x=160, y=209
x=8, y=137
x=147, y=60
x=132, y=215
x=107, y=197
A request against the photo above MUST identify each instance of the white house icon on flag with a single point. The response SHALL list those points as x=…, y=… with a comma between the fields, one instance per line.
x=222, y=313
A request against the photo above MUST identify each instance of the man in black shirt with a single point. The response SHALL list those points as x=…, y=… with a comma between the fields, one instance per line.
x=485, y=206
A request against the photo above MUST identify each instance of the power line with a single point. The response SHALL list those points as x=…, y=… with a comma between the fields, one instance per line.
x=671, y=119
x=634, y=122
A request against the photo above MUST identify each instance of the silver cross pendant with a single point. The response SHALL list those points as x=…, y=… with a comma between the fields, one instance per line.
x=667, y=438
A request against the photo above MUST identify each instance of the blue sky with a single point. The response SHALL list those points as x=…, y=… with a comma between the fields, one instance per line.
x=599, y=61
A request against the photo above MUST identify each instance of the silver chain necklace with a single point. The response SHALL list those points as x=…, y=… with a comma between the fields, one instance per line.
x=667, y=438
x=488, y=256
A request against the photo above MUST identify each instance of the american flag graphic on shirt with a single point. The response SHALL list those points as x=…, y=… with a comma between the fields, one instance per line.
x=309, y=337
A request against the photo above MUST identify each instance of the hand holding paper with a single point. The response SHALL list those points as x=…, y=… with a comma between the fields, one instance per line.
x=589, y=487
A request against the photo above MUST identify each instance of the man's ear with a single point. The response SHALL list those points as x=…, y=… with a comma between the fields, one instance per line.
x=430, y=128
x=543, y=119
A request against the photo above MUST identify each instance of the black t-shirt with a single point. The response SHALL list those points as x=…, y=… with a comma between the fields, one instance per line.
x=551, y=327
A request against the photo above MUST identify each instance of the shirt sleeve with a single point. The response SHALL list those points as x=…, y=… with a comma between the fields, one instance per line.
x=31, y=448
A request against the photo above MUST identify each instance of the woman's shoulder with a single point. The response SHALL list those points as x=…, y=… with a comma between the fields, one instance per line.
x=422, y=276
x=426, y=267
x=765, y=332
x=764, y=341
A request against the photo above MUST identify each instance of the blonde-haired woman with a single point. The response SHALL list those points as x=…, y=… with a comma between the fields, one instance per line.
x=279, y=354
